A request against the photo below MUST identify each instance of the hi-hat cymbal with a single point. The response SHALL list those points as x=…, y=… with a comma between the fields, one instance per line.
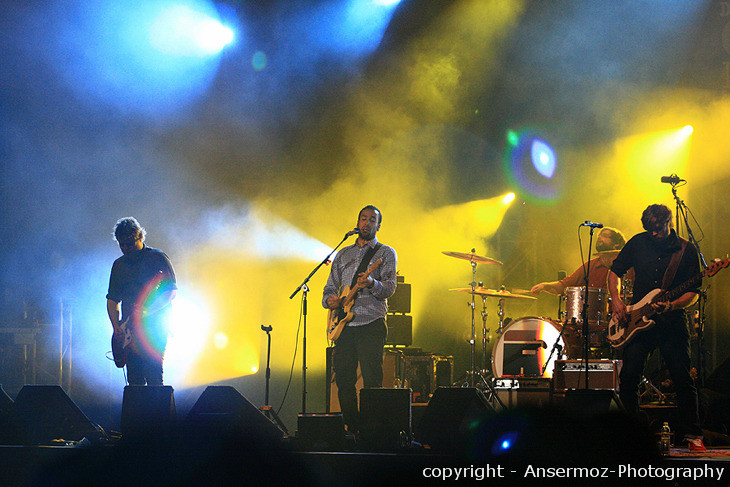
x=472, y=257
x=496, y=293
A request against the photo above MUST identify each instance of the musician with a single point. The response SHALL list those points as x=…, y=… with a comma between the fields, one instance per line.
x=608, y=239
x=142, y=283
x=363, y=338
x=650, y=253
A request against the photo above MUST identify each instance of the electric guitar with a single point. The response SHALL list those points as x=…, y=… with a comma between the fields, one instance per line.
x=339, y=317
x=638, y=316
x=120, y=342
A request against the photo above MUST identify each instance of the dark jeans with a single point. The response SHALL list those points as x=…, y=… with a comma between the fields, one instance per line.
x=144, y=368
x=671, y=336
x=363, y=344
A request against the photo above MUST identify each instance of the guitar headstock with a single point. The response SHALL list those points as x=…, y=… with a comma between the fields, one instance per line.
x=715, y=267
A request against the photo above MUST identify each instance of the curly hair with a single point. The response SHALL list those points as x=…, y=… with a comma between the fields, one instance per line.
x=128, y=228
x=655, y=216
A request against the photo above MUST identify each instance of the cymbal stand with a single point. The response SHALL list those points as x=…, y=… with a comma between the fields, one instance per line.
x=472, y=338
x=485, y=334
x=500, y=313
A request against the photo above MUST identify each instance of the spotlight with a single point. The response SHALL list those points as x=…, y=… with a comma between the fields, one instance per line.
x=687, y=130
x=508, y=198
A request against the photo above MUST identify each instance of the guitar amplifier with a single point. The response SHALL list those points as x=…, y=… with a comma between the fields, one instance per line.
x=602, y=374
x=528, y=391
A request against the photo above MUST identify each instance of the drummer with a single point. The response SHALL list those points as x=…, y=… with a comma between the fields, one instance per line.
x=608, y=244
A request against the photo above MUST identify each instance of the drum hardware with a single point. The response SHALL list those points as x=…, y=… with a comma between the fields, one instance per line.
x=518, y=352
x=556, y=345
x=472, y=375
x=474, y=259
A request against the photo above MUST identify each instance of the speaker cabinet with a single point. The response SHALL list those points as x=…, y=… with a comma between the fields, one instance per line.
x=392, y=365
x=450, y=417
x=222, y=410
x=400, y=329
x=44, y=413
x=524, y=392
x=385, y=418
x=148, y=411
x=602, y=374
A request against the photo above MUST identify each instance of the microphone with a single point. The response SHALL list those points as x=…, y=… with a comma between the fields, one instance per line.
x=352, y=232
x=591, y=224
x=673, y=179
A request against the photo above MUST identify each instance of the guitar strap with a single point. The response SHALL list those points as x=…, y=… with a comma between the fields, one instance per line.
x=365, y=261
x=673, y=265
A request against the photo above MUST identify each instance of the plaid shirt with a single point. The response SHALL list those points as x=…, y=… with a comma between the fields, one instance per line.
x=370, y=304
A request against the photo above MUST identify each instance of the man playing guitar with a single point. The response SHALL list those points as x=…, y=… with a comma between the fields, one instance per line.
x=363, y=337
x=661, y=259
x=142, y=283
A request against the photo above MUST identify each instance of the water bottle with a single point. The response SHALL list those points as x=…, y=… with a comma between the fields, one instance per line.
x=665, y=439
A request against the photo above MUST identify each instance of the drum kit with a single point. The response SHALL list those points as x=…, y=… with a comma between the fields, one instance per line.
x=526, y=346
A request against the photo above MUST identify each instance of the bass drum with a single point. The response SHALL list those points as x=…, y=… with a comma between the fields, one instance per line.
x=523, y=347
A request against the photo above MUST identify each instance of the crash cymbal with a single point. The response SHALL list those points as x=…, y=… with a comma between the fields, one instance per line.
x=472, y=257
x=501, y=293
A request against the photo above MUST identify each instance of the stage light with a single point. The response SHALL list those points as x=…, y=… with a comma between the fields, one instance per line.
x=189, y=325
x=508, y=198
x=180, y=30
x=513, y=138
x=220, y=340
x=687, y=130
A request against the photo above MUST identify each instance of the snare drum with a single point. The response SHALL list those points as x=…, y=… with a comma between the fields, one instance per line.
x=597, y=306
x=523, y=347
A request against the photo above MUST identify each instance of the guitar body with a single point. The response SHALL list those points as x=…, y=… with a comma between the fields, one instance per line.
x=638, y=316
x=120, y=344
x=637, y=320
x=339, y=317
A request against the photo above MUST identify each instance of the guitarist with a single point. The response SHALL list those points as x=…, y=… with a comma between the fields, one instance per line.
x=661, y=260
x=142, y=283
x=363, y=337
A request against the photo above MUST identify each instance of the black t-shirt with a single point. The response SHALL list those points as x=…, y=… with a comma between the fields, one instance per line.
x=650, y=260
x=137, y=278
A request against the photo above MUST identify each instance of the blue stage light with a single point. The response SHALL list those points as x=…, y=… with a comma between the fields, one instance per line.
x=543, y=158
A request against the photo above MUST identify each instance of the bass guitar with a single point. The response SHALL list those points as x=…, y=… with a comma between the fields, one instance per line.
x=120, y=342
x=638, y=316
x=339, y=317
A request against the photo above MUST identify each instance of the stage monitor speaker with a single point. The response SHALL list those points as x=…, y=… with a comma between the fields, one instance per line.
x=451, y=416
x=385, y=418
x=590, y=402
x=321, y=432
x=222, y=410
x=46, y=413
x=148, y=411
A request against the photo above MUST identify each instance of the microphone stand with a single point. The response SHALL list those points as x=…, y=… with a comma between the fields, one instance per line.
x=305, y=290
x=267, y=409
x=584, y=313
x=682, y=209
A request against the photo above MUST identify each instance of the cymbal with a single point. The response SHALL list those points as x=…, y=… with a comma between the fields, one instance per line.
x=501, y=293
x=472, y=257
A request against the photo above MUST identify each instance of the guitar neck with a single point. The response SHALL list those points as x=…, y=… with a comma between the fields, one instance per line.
x=673, y=294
